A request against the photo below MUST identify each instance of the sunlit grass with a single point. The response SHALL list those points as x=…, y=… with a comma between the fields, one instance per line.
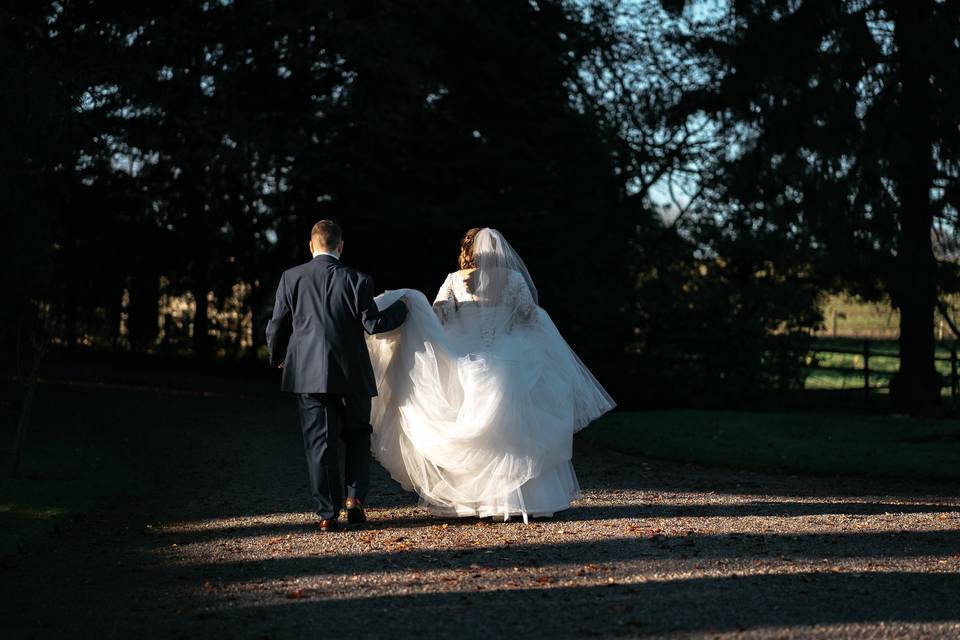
x=851, y=317
x=884, y=361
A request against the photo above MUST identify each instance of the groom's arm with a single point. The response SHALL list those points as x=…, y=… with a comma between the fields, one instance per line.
x=374, y=320
x=280, y=327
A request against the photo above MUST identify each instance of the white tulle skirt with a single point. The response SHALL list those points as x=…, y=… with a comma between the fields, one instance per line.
x=480, y=426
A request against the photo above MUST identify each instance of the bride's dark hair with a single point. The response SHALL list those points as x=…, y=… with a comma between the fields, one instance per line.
x=466, y=249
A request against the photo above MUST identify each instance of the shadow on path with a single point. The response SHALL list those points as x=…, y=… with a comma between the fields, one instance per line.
x=229, y=472
x=699, y=605
x=671, y=549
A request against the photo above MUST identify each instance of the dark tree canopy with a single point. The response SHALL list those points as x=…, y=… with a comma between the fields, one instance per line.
x=202, y=140
x=844, y=132
x=182, y=150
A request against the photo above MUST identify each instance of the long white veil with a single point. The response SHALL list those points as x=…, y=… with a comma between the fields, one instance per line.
x=501, y=285
x=496, y=262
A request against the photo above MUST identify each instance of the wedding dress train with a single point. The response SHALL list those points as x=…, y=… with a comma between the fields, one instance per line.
x=480, y=397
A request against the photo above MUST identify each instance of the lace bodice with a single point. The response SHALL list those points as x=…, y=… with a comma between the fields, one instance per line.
x=456, y=294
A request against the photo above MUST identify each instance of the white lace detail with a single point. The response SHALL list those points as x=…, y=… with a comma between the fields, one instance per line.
x=517, y=300
x=521, y=301
x=446, y=301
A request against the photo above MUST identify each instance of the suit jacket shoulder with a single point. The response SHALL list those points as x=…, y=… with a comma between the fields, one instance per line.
x=343, y=271
x=358, y=280
x=350, y=272
x=293, y=273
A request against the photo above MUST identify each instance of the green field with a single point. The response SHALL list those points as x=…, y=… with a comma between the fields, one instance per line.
x=821, y=444
x=848, y=323
x=846, y=316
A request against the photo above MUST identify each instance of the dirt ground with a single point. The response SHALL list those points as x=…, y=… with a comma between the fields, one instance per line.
x=226, y=546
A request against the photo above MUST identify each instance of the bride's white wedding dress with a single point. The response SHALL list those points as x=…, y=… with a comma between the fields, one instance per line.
x=480, y=395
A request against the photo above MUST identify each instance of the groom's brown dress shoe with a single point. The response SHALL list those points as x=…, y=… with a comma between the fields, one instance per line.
x=355, y=512
x=329, y=525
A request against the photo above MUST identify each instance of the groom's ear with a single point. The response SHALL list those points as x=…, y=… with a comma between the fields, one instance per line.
x=310, y=247
x=340, y=248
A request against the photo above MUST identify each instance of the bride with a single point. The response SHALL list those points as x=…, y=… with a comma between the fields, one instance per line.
x=479, y=394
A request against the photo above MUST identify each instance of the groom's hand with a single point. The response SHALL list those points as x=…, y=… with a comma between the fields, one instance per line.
x=280, y=366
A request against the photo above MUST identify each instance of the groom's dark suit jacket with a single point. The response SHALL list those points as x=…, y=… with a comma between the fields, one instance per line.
x=322, y=309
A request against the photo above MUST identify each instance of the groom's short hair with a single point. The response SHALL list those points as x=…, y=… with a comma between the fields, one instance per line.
x=326, y=234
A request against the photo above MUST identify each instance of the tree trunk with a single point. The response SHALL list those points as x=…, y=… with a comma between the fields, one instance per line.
x=201, y=324
x=114, y=313
x=38, y=345
x=23, y=423
x=915, y=388
x=144, y=309
x=259, y=314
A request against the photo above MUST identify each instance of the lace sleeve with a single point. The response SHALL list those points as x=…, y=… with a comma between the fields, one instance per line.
x=522, y=302
x=445, y=301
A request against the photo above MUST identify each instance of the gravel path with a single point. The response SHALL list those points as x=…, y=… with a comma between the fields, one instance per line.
x=228, y=548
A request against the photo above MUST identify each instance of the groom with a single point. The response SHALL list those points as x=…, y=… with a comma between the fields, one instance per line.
x=316, y=335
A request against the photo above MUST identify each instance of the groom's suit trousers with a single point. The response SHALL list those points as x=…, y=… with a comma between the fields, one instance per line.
x=328, y=422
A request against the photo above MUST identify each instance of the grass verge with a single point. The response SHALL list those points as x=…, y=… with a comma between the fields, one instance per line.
x=819, y=444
